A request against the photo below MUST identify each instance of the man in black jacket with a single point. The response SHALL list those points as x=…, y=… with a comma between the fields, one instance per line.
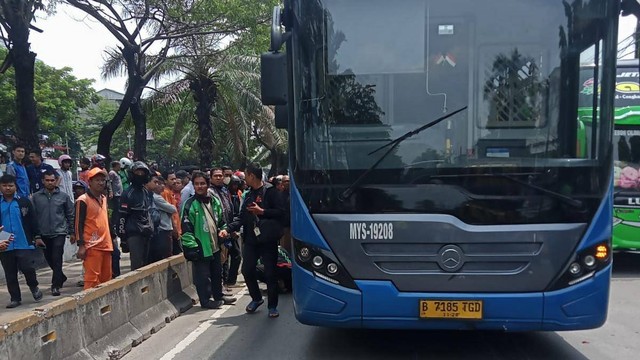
x=135, y=227
x=261, y=218
x=55, y=213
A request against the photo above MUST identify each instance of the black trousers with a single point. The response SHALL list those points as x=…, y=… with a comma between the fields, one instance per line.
x=138, y=250
x=115, y=260
x=160, y=247
x=232, y=265
x=114, y=205
x=177, y=246
x=53, y=254
x=207, y=277
x=25, y=262
x=268, y=252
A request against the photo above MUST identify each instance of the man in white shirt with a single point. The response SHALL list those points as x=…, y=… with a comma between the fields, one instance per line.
x=188, y=190
x=65, y=181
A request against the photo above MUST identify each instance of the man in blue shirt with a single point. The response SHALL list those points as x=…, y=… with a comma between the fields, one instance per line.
x=17, y=218
x=19, y=171
x=36, y=170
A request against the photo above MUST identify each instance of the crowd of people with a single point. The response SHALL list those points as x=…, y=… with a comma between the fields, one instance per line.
x=223, y=221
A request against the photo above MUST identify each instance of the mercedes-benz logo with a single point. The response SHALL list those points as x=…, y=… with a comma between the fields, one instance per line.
x=451, y=258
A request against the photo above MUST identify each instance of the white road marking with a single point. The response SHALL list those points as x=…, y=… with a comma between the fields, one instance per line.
x=200, y=329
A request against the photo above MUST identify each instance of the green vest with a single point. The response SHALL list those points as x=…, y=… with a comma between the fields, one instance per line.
x=195, y=231
x=124, y=179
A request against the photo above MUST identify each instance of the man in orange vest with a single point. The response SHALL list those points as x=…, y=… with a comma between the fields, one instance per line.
x=92, y=230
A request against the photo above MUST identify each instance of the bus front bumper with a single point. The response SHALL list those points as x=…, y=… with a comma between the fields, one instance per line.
x=379, y=305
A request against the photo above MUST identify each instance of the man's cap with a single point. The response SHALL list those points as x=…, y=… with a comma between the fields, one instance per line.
x=96, y=171
x=181, y=174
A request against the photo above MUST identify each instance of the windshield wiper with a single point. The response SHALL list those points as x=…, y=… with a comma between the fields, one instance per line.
x=346, y=194
x=418, y=130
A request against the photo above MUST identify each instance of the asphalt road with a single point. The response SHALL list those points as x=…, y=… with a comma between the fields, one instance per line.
x=231, y=334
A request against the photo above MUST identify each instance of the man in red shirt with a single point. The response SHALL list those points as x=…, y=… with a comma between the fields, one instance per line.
x=173, y=197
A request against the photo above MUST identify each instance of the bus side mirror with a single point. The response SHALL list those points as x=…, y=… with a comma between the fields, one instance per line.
x=282, y=117
x=630, y=7
x=273, y=79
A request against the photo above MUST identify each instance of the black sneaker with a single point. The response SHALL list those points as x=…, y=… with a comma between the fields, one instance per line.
x=37, y=294
x=55, y=291
x=228, y=300
x=213, y=304
x=13, y=304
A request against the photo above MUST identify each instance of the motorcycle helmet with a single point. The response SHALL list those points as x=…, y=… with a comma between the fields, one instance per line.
x=64, y=158
x=98, y=160
x=126, y=163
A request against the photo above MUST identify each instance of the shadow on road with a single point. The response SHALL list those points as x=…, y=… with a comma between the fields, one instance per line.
x=255, y=336
x=379, y=344
x=626, y=265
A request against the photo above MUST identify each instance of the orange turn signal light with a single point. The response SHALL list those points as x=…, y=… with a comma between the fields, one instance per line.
x=602, y=252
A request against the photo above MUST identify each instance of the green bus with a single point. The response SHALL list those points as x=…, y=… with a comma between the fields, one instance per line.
x=626, y=149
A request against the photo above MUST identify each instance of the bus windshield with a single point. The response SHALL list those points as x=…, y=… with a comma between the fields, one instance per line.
x=367, y=72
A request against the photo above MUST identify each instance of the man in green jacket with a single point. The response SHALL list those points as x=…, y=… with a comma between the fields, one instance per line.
x=202, y=225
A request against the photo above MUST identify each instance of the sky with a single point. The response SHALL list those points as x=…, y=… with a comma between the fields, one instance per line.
x=72, y=39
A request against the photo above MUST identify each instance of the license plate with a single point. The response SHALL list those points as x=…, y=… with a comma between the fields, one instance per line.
x=451, y=309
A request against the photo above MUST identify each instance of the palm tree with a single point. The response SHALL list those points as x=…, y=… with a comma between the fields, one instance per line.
x=223, y=89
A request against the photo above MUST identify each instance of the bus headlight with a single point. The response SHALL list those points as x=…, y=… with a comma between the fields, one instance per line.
x=317, y=261
x=589, y=261
x=332, y=269
x=322, y=264
x=584, y=265
x=305, y=254
x=575, y=269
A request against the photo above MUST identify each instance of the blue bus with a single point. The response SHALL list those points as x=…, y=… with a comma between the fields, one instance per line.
x=437, y=181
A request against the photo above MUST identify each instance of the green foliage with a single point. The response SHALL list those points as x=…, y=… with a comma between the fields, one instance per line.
x=91, y=122
x=59, y=97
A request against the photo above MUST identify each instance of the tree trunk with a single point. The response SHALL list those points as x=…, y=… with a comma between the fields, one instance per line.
x=107, y=131
x=140, y=138
x=278, y=162
x=205, y=93
x=205, y=133
x=24, y=63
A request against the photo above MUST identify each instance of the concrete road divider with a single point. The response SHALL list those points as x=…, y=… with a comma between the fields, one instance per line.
x=52, y=332
x=105, y=319
x=149, y=310
x=104, y=322
x=181, y=293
